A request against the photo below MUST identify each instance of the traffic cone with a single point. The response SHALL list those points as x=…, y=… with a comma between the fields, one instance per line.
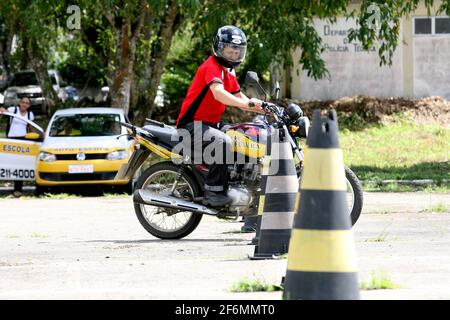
x=322, y=256
x=264, y=172
x=281, y=187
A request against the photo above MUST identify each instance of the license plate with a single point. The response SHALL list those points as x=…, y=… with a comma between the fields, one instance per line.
x=81, y=168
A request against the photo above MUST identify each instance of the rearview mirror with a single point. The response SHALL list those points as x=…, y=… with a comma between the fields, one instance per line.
x=32, y=136
x=252, y=81
x=277, y=90
x=251, y=77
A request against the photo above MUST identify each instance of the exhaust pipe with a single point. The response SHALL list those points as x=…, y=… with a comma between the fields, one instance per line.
x=141, y=196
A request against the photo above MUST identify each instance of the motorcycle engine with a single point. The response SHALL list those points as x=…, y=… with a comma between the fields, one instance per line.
x=251, y=173
x=244, y=185
x=248, y=173
x=242, y=199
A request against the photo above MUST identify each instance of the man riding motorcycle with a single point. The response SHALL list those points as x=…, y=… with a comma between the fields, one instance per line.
x=214, y=87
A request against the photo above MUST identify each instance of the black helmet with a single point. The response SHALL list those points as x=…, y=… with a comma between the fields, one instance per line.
x=230, y=37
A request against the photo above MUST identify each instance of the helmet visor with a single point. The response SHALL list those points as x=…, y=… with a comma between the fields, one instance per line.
x=232, y=52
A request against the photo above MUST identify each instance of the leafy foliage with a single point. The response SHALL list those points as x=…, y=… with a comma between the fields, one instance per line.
x=275, y=30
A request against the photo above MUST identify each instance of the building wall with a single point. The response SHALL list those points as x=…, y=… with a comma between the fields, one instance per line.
x=421, y=65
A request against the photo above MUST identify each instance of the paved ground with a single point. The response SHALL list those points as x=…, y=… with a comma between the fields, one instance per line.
x=95, y=248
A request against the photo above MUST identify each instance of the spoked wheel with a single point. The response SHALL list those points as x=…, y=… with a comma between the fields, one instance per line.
x=167, y=223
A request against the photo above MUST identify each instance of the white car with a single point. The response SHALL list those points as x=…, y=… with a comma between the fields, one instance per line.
x=80, y=146
x=25, y=83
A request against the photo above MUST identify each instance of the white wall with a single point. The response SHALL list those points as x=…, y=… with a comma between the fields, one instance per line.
x=353, y=71
x=431, y=59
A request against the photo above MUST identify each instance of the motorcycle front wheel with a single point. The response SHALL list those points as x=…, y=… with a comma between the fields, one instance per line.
x=167, y=223
x=354, y=194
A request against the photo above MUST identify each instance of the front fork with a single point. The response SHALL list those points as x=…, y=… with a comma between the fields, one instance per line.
x=295, y=148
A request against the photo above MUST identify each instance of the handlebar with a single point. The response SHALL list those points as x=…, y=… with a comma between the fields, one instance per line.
x=268, y=107
x=136, y=130
x=126, y=125
x=272, y=108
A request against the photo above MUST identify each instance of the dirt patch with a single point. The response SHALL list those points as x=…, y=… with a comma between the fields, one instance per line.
x=430, y=110
x=360, y=110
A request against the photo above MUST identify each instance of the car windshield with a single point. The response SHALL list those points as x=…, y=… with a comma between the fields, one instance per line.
x=85, y=125
x=24, y=79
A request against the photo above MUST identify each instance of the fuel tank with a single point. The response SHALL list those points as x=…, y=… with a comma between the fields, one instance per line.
x=249, y=138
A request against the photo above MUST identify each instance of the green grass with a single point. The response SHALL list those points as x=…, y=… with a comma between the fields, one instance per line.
x=59, y=196
x=254, y=285
x=401, y=150
x=381, y=237
x=12, y=236
x=115, y=195
x=38, y=235
x=438, y=208
x=378, y=281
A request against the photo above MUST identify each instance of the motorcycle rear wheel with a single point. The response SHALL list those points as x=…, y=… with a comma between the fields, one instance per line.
x=166, y=223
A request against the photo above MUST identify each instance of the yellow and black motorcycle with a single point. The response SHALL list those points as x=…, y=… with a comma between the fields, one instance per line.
x=168, y=195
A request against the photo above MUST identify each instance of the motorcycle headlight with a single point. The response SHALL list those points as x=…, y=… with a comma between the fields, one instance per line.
x=117, y=155
x=47, y=157
x=303, y=127
x=294, y=112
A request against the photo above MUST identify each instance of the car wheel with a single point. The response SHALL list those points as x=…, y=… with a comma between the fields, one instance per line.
x=40, y=190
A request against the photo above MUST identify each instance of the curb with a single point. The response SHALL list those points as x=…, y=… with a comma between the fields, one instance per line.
x=422, y=182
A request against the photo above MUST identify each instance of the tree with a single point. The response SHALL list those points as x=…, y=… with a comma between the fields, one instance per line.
x=6, y=38
x=126, y=19
x=36, y=33
x=156, y=44
x=132, y=39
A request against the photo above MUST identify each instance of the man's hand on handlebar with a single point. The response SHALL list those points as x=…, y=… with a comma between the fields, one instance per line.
x=255, y=105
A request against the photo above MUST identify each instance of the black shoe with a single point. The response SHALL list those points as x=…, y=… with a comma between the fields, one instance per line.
x=248, y=229
x=216, y=199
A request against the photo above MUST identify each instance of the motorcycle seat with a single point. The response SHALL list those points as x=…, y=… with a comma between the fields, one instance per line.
x=167, y=134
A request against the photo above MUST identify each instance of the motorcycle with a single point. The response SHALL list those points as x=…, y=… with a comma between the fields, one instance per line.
x=168, y=195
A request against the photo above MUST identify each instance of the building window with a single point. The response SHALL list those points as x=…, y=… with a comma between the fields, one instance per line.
x=432, y=26
x=422, y=26
x=442, y=25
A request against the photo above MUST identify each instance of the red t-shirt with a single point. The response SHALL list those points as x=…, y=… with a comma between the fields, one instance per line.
x=200, y=104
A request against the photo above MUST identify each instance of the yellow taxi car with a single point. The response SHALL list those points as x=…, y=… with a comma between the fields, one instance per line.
x=83, y=146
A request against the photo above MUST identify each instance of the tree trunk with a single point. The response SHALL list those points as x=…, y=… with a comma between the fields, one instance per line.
x=39, y=65
x=127, y=37
x=120, y=91
x=5, y=55
x=5, y=48
x=171, y=22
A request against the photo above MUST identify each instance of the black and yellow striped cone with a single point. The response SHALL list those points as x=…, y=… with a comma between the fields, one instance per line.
x=264, y=173
x=281, y=188
x=322, y=256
